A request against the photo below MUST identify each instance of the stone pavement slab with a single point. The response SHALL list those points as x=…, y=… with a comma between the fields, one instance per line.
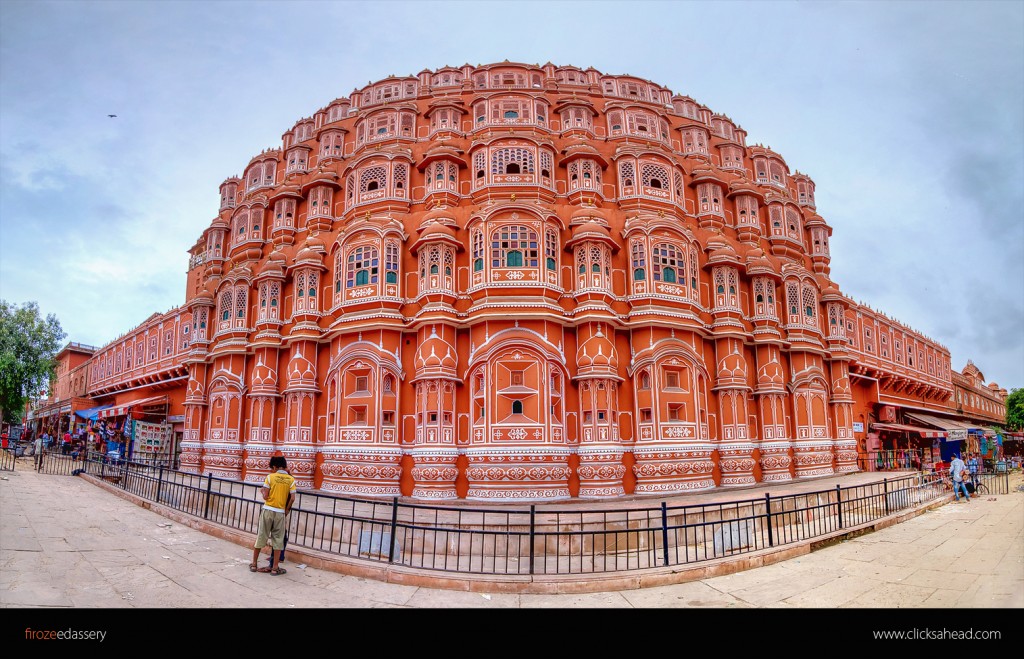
x=68, y=543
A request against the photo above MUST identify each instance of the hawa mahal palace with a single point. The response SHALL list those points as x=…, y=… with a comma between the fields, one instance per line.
x=519, y=282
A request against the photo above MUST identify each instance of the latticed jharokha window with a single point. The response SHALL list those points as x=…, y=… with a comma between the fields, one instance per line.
x=654, y=176
x=584, y=174
x=478, y=250
x=514, y=247
x=639, y=254
x=669, y=261
x=551, y=249
x=512, y=161
x=391, y=262
x=363, y=266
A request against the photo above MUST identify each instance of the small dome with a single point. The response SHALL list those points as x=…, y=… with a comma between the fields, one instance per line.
x=263, y=375
x=438, y=215
x=590, y=228
x=437, y=230
x=597, y=352
x=588, y=214
x=732, y=366
x=436, y=354
x=300, y=368
x=771, y=374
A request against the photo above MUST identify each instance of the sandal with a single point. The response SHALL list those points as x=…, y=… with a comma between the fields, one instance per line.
x=253, y=567
x=279, y=570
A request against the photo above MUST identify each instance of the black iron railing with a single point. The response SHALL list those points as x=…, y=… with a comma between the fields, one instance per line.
x=538, y=540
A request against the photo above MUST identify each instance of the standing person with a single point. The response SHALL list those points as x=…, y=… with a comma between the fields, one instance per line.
x=279, y=494
x=39, y=450
x=972, y=466
x=957, y=470
x=284, y=545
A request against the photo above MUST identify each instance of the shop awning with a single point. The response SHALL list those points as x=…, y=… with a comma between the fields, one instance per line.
x=121, y=410
x=955, y=430
x=927, y=433
x=92, y=413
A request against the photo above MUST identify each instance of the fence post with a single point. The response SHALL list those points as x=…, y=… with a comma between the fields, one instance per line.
x=768, y=514
x=159, y=483
x=664, y=531
x=533, y=530
x=885, y=488
x=394, y=527
x=839, y=504
x=209, y=486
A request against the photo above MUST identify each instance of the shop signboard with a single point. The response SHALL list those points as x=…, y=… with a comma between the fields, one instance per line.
x=956, y=435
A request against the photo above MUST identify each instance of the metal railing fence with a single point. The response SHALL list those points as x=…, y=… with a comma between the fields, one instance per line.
x=539, y=539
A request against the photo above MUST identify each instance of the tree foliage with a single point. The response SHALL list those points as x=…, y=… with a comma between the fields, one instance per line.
x=1015, y=410
x=28, y=345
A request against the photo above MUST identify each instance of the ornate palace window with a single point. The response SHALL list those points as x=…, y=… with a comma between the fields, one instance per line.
x=363, y=266
x=592, y=266
x=332, y=144
x=261, y=175
x=584, y=174
x=296, y=160
x=270, y=294
x=746, y=211
x=320, y=201
x=376, y=182
x=709, y=197
x=764, y=297
x=306, y=284
x=669, y=262
x=512, y=161
x=514, y=247
x=391, y=261
x=436, y=268
x=639, y=253
x=695, y=140
x=284, y=214
x=732, y=157
x=551, y=249
x=478, y=250
x=577, y=117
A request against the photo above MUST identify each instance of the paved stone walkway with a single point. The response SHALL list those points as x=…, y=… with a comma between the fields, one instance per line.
x=67, y=543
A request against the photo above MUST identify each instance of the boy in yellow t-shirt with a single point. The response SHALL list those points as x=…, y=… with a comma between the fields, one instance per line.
x=279, y=494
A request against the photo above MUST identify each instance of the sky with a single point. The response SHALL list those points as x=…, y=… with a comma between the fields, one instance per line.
x=908, y=116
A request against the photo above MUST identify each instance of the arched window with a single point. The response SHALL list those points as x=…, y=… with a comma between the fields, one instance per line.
x=513, y=247
x=512, y=160
x=551, y=249
x=653, y=175
x=627, y=174
x=363, y=266
x=517, y=407
x=639, y=261
x=372, y=179
x=668, y=261
x=478, y=251
x=391, y=262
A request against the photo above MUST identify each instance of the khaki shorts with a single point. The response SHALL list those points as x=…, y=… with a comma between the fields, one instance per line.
x=272, y=528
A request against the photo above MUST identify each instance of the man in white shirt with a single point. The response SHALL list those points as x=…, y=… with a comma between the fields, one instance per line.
x=957, y=470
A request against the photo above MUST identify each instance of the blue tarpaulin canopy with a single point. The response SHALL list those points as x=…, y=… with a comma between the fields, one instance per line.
x=92, y=413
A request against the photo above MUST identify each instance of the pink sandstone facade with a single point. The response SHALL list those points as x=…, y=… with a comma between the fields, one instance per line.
x=519, y=282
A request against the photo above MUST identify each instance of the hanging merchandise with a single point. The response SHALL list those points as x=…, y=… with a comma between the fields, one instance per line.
x=152, y=439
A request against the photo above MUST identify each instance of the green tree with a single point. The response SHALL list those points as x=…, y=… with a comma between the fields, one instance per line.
x=28, y=345
x=1015, y=409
